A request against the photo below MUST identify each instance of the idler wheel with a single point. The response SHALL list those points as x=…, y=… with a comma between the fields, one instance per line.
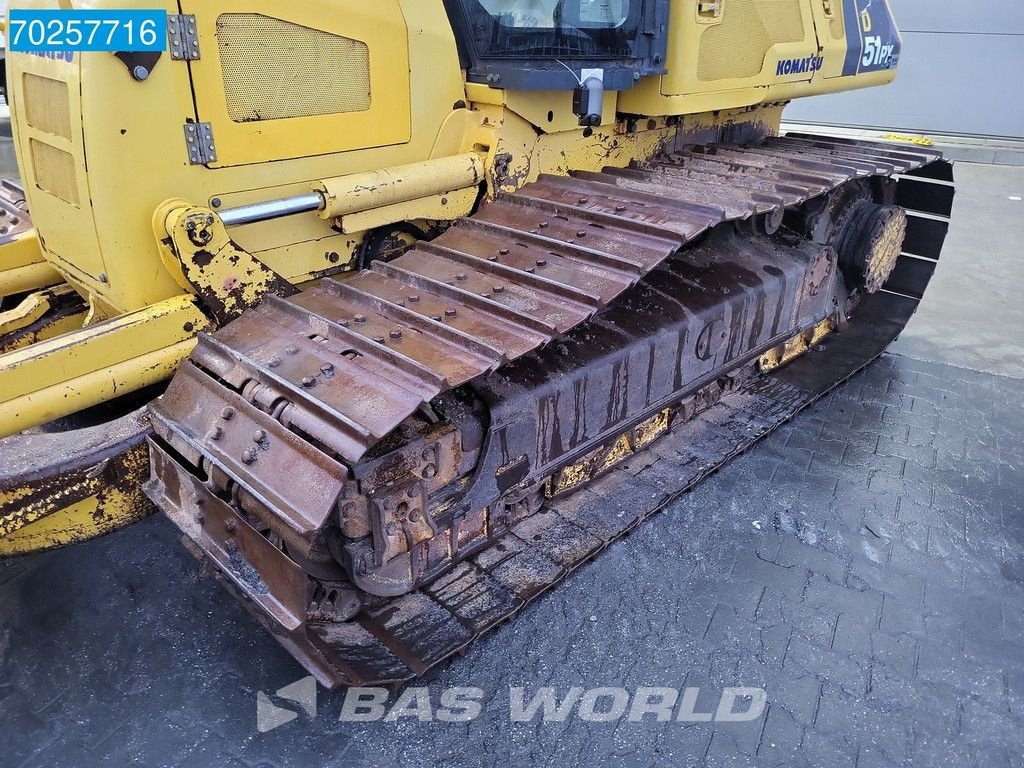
x=870, y=243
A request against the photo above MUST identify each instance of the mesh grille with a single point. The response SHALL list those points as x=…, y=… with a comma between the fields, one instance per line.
x=749, y=28
x=55, y=172
x=274, y=69
x=48, y=105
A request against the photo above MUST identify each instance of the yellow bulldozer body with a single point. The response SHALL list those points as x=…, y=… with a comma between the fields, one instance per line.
x=129, y=174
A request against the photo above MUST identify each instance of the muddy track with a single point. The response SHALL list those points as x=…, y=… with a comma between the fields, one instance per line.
x=326, y=378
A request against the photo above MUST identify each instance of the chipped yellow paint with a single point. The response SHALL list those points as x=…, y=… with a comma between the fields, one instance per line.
x=570, y=477
x=81, y=509
x=599, y=461
x=795, y=347
x=77, y=370
x=652, y=429
x=198, y=250
x=619, y=450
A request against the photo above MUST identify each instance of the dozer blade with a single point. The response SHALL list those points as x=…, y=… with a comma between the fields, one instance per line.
x=65, y=487
x=73, y=453
x=383, y=469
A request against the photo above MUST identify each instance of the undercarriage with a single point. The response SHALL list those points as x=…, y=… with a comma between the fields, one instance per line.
x=382, y=468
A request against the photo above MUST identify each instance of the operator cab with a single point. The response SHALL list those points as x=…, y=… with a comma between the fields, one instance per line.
x=588, y=46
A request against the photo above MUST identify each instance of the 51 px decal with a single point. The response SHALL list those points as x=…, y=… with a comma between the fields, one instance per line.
x=877, y=53
x=873, y=42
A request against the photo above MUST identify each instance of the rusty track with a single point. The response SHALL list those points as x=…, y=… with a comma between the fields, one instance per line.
x=14, y=217
x=326, y=378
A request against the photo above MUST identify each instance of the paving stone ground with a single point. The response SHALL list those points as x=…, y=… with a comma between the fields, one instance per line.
x=864, y=564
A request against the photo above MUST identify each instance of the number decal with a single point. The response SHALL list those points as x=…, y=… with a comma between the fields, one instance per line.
x=871, y=46
x=69, y=31
x=873, y=42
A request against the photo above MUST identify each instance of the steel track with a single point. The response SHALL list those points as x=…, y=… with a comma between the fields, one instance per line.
x=349, y=362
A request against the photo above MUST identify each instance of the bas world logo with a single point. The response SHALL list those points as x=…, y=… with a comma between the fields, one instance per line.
x=270, y=715
x=545, y=705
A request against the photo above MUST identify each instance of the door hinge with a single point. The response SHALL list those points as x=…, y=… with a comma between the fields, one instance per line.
x=183, y=37
x=199, y=140
x=709, y=10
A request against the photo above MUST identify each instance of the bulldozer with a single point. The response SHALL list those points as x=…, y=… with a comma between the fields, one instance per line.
x=362, y=296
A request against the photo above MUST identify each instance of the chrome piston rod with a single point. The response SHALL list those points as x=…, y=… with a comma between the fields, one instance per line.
x=337, y=197
x=272, y=209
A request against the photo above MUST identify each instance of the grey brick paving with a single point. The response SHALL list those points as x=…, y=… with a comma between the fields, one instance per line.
x=864, y=564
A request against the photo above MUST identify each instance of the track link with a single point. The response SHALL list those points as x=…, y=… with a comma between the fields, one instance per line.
x=330, y=376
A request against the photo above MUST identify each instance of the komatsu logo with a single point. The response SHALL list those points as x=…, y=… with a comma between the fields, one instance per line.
x=67, y=56
x=800, y=66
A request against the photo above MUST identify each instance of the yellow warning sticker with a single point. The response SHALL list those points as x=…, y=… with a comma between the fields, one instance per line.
x=922, y=141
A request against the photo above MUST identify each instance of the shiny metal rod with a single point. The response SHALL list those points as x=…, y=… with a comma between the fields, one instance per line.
x=272, y=209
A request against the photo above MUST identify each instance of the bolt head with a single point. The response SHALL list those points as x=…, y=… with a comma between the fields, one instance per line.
x=228, y=413
x=140, y=73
